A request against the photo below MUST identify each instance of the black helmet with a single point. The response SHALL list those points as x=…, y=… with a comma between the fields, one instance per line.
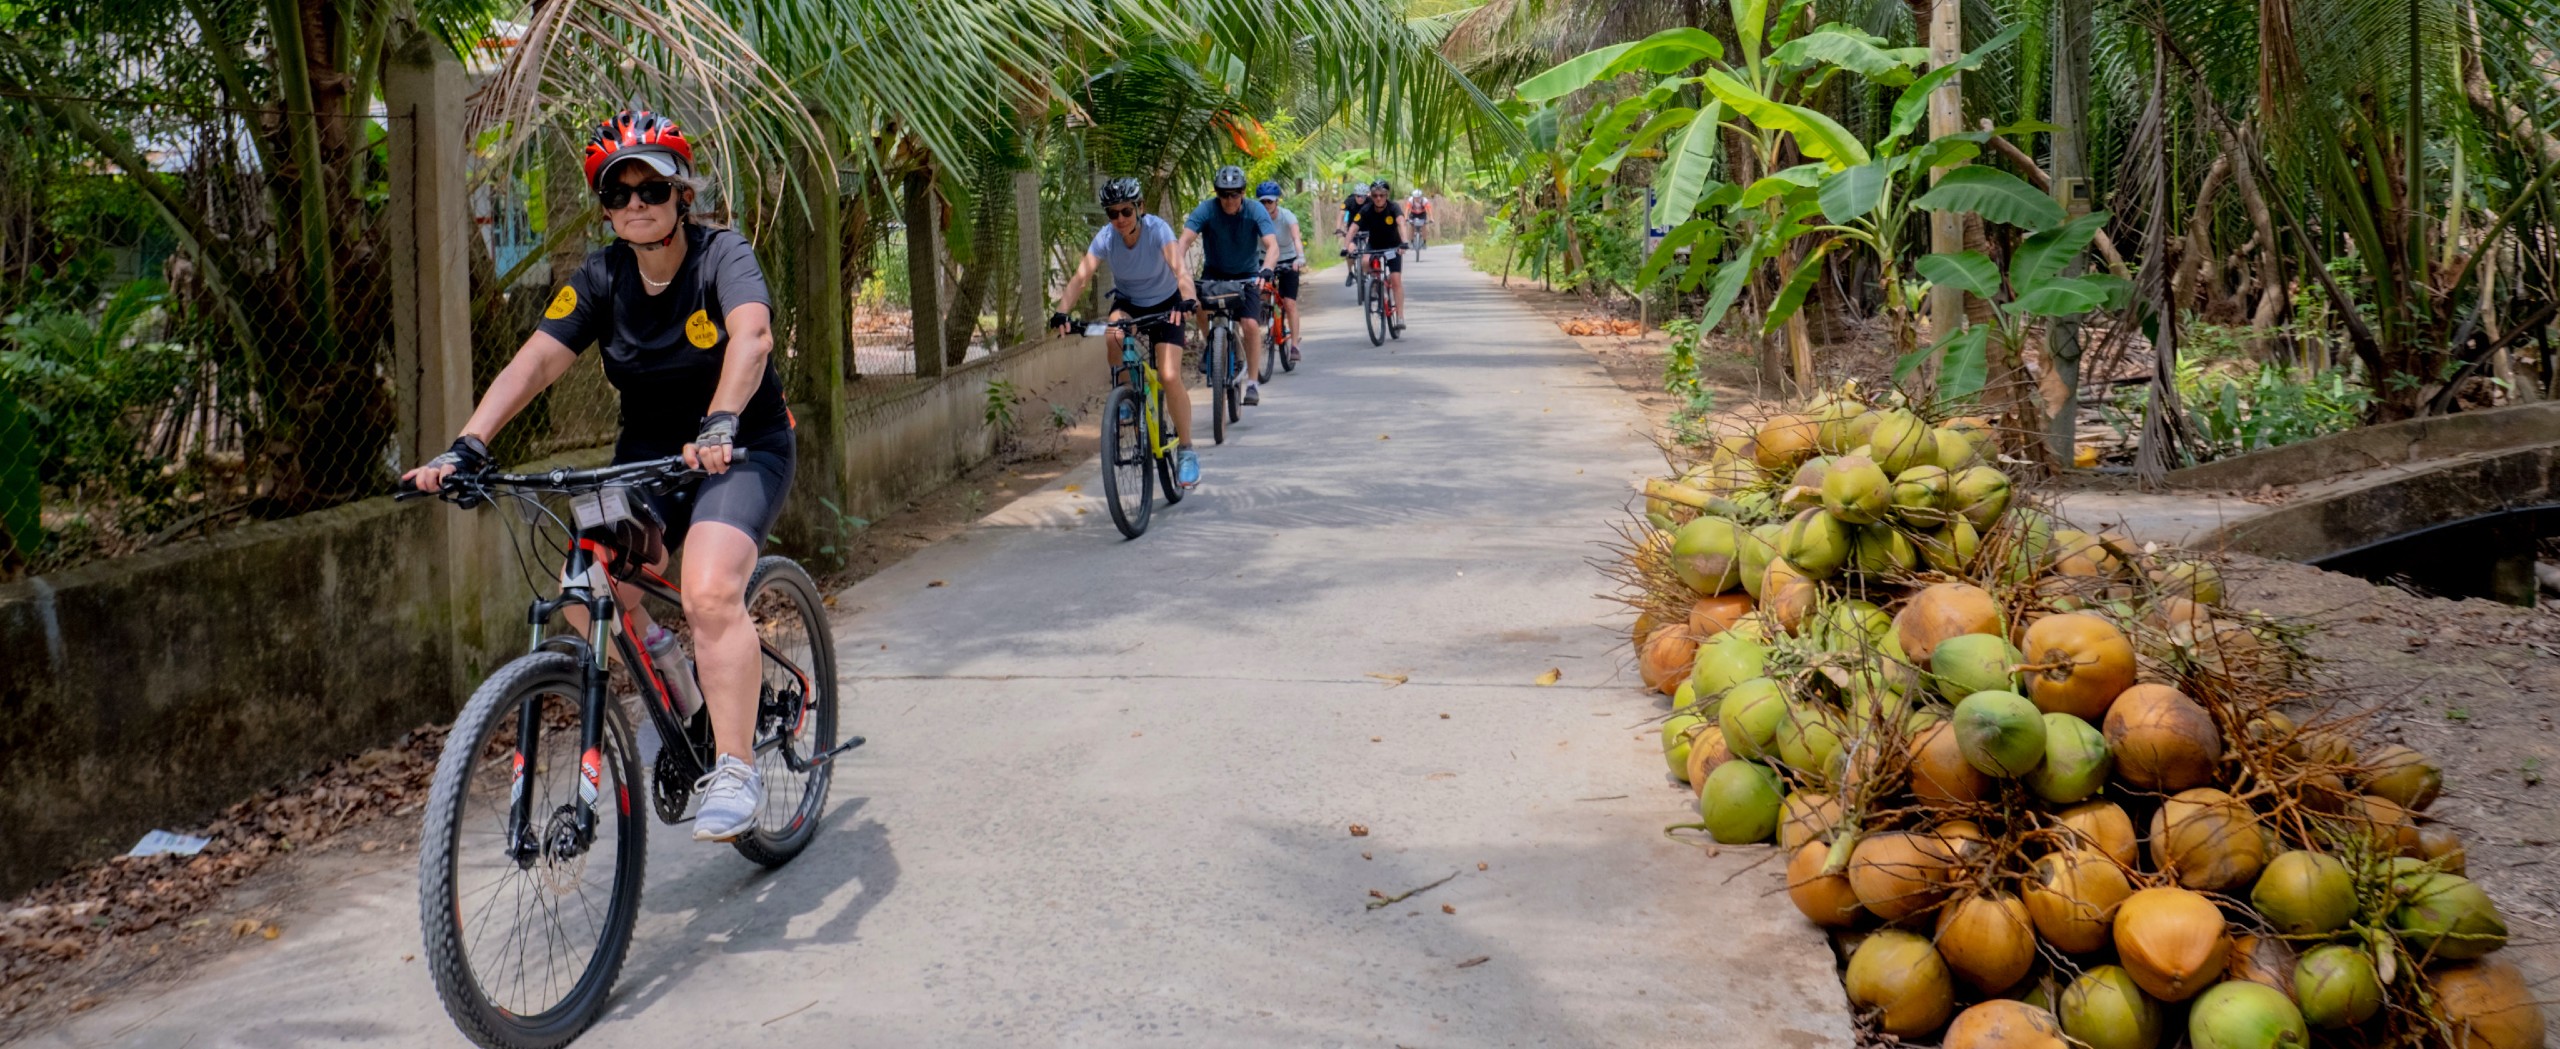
x=1123, y=190
x=1381, y=186
x=1229, y=177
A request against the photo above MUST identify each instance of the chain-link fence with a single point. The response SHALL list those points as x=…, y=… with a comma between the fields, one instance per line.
x=149, y=391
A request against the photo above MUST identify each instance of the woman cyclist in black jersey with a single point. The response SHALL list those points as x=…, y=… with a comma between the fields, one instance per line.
x=681, y=314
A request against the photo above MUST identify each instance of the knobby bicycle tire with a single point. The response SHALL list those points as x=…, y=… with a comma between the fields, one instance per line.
x=778, y=592
x=1375, y=313
x=1124, y=444
x=1217, y=368
x=484, y=733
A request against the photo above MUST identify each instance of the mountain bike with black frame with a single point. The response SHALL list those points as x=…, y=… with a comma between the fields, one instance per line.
x=530, y=859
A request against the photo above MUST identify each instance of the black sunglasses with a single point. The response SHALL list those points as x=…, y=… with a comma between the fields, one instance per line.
x=1230, y=194
x=1119, y=213
x=653, y=193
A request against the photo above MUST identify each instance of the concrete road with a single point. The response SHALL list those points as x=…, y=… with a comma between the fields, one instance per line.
x=1110, y=788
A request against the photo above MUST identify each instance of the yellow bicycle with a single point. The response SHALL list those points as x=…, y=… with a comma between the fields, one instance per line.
x=1138, y=442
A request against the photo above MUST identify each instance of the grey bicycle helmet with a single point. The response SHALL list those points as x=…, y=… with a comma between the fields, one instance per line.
x=1123, y=190
x=1229, y=177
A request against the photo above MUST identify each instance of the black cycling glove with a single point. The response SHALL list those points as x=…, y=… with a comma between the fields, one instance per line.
x=1058, y=320
x=720, y=428
x=1188, y=306
x=468, y=455
x=1268, y=272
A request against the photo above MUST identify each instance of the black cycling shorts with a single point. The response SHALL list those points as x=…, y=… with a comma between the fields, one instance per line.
x=1393, y=257
x=748, y=497
x=1247, y=297
x=1287, y=279
x=1157, y=333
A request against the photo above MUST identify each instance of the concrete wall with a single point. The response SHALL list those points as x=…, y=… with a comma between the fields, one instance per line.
x=154, y=690
x=2391, y=444
x=2396, y=501
x=905, y=441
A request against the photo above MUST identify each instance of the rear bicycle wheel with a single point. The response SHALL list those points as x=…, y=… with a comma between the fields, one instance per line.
x=1127, y=480
x=795, y=709
x=526, y=933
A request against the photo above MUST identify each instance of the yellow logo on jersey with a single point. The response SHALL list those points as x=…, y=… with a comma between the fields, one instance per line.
x=562, y=304
x=699, y=330
x=1391, y=220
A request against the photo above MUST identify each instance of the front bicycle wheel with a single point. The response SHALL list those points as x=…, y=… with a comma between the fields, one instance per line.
x=795, y=710
x=1219, y=369
x=1127, y=482
x=528, y=926
x=1375, y=313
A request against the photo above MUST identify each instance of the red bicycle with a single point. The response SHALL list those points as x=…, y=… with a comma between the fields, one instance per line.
x=1275, y=344
x=1376, y=310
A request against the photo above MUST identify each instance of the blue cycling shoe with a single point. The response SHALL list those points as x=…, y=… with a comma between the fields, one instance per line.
x=1186, y=469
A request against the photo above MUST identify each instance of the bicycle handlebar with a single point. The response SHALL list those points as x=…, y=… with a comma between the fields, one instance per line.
x=1097, y=327
x=469, y=490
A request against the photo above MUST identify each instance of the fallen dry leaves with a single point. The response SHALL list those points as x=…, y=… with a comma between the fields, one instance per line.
x=47, y=933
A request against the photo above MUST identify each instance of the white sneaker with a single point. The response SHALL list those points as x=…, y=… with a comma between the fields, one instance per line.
x=731, y=794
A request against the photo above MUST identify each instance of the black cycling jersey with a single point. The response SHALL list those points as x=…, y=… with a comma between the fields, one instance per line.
x=1384, y=225
x=664, y=352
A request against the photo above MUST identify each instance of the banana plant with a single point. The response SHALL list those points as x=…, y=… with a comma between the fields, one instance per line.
x=2033, y=292
x=1850, y=194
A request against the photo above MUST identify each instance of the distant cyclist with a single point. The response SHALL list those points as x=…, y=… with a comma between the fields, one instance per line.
x=1237, y=242
x=1353, y=196
x=1146, y=278
x=1381, y=220
x=1293, y=257
x=1418, y=208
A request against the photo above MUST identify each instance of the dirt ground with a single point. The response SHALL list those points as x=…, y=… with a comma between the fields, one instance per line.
x=2473, y=684
x=124, y=926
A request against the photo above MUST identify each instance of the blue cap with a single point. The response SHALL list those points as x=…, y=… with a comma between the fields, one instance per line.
x=1270, y=188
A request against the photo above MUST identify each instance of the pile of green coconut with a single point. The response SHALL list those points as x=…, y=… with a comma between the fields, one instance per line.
x=2044, y=787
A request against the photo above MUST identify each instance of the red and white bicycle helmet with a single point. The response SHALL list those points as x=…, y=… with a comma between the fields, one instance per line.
x=637, y=134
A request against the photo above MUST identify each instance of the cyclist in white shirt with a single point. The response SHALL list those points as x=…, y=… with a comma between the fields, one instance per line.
x=1293, y=258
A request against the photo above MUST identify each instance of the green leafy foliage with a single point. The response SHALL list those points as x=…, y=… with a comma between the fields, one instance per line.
x=1996, y=195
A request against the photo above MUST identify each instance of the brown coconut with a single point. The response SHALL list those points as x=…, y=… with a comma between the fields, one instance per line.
x=2263, y=959
x=2488, y=1005
x=2004, y=1024
x=1939, y=771
x=2101, y=825
x=1669, y=655
x=1706, y=751
x=2173, y=941
x=2073, y=897
x=2085, y=663
x=1787, y=594
x=1943, y=611
x=2388, y=826
x=1714, y=615
x=2404, y=776
x=1900, y=978
x=1807, y=816
x=2208, y=840
x=1825, y=899
x=2162, y=740
x=2439, y=845
x=1988, y=940
x=1784, y=440
x=1899, y=873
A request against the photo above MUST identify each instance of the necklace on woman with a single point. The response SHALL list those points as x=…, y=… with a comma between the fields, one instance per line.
x=656, y=285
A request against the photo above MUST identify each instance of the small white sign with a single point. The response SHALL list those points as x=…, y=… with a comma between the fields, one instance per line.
x=164, y=843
